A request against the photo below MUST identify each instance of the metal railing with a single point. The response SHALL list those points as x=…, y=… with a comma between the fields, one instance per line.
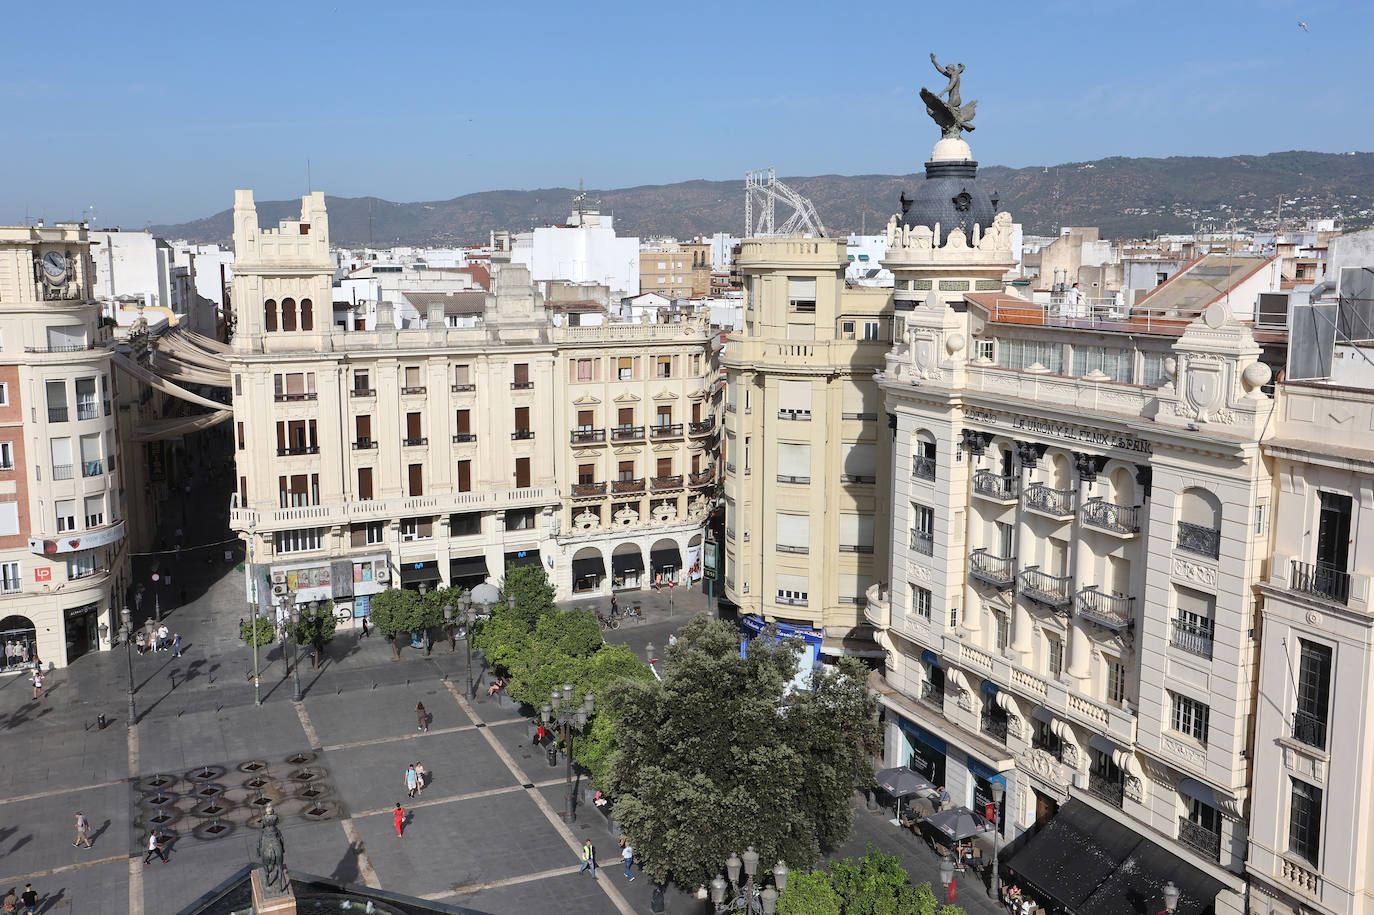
x=995, y=726
x=87, y=411
x=1115, y=611
x=461, y=437
x=702, y=477
x=57, y=414
x=1309, y=729
x=364, y=444
x=1105, y=789
x=1192, y=638
x=792, y=548
x=589, y=489
x=1204, y=541
x=994, y=485
x=291, y=398
x=922, y=467
x=417, y=389
x=923, y=542
x=1199, y=838
x=294, y=450
x=1320, y=580
x=624, y=486
x=704, y=427
x=785, y=478
x=362, y=392
x=521, y=385
x=61, y=471
x=995, y=570
x=666, y=430
x=668, y=482
x=1108, y=516
x=1055, y=590
x=415, y=441
x=520, y=435
x=1050, y=501
x=933, y=694
x=587, y=436
x=461, y=388
x=92, y=468
x=798, y=415
x=626, y=433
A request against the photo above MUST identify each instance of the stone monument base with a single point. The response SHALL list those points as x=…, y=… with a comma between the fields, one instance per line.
x=275, y=905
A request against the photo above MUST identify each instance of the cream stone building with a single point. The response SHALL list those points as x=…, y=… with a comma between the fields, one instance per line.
x=806, y=449
x=439, y=455
x=64, y=564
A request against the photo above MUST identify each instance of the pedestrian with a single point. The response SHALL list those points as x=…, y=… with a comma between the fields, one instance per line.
x=37, y=684
x=366, y=631
x=176, y=645
x=588, y=858
x=421, y=717
x=615, y=607
x=398, y=816
x=672, y=640
x=540, y=735
x=83, y=830
x=627, y=854
x=412, y=781
x=11, y=901
x=155, y=847
x=29, y=899
x=420, y=774
x=942, y=799
x=164, y=636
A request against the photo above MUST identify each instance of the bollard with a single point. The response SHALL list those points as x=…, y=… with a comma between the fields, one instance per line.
x=553, y=757
x=100, y=722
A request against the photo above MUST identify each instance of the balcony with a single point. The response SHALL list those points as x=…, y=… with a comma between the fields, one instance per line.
x=1319, y=580
x=521, y=385
x=1192, y=638
x=923, y=542
x=92, y=468
x=856, y=547
x=933, y=694
x=585, y=490
x=995, y=726
x=461, y=437
x=1057, y=503
x=1309, y=729
x=922, y=468
x=1106, y=789
x=417, y=389
x=667, y=430
x=521, y=435
x=796, y=415
x=1122, y=520
x=293, y=398
x=998, y=571
x=994, y=486
x=627, y=433
x=362, y=392
x=587, y=436
x=791, y=601
x=364, y=444
x=620, y=487
x=785, y=478
x=412, y=442
x=1204, y=541
x=298, y=450
x=857, y=478
x=1115, y=611
x=669, y=482
x=1200, y=839
x=57, y=414
x=705, y=427
x=702, y=477
x=462, y=388
x=61, y=471
x=792, y=548
x=87, y=411
x=1054, y=590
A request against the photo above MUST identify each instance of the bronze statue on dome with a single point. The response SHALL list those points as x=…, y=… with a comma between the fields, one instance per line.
x=947, y=108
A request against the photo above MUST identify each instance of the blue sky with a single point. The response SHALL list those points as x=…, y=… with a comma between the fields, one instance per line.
x=158, y=115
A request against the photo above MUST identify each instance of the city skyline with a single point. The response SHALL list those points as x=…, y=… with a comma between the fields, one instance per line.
x=433, y=104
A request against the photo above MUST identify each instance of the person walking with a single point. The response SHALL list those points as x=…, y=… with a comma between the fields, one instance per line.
x=398, y=817
x=83, y=830
x=29, y=899
x=588, y=858
x=37, y=683
x=420, y=775
x=615, y=607
x=627, y=854
x=421, y=717
x=176, y=645
x=155, y=847
x=366, y=630
x=412, y=782
x=11, y=901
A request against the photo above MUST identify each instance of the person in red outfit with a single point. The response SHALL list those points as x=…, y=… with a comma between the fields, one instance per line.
x=398, y=816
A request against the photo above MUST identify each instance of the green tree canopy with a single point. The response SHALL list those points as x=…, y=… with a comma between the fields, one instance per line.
x=809, y=894
x=315, y=629
x=527, y=591
x=876, y=884
x=718, y=756
x=266, y=632
x=399, y=610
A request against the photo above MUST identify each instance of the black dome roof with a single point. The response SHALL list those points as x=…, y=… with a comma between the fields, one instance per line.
x=952, y=197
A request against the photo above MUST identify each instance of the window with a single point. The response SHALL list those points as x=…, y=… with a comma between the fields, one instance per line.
x=522, y=376
x=465, y=476
x=953, y=617
x=294, y=386
x=1152, y=373
x=987, y=350
x=871, y=331
x=1333, y=531
x=794, y=399
x=794, y=463
x=298, y=541
x=57, y=401
x=66, y=515
x=584, y=370
x=1314, y=693
x=1054, y=656
x=1022, y=354
x=6, y=455
x=663, y=367
x=413, y=435
x=921, y=602
x=801, y=294
x=522, y=420
x=86, y=407
x=415, y=475
x=626, y=471
x=466, y=524
x=365, y=484
x=1189, y=717
x=792, y=590
x=1193, y=622
x=1305, y=820
x=793, y=532
x=412, y=380
x=1044, y=738
x=1116, y=681
x=522, y=473
x=307, y=307
x=238, y=385
x=288, y=314
x=239, y=430
x=664, y=416
x=1003, y=629
x=11, y=578
x=269, y=315
x=95, y=511
x=79, y=565
x=1113, y=362
x=625, y=368
x=923, y=529
x=361, y=379
x=521, y=520
x=417, y=528
x=9, y=519
x=586, y=473
x=856, y=533
x=859, y=400
x=462, y=377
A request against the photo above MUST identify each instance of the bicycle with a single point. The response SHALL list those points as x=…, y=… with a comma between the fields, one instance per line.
x=606, y=622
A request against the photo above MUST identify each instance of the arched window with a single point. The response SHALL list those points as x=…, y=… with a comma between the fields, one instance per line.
x=1061, y=475
x=307, y=315
x=288, y=314
x=269, y=315
x=1201, y=508
x=1123, y=487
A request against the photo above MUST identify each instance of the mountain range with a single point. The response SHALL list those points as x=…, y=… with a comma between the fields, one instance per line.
x=1125, y=197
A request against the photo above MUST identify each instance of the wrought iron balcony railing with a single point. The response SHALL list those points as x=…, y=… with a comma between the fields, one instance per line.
x=589, y=489
x=1107, y=516
x=999, y=571
x=994, y=485
x=587, y=436
x=1204, y=541
x=667, y=430
x=1200, y=839
x=705, y=427
x=1106, y=789
x=1057, y=502
x=1192, y=638
x=1115, y=611
x=626, y=433
x=1309, y=729
x=923, y=468
x=625, y=486
x=1055, y=590
x=923, y=542
x=1320, y=580
x=668, y=482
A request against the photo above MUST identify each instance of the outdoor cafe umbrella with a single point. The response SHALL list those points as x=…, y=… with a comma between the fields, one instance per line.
x=903, y=782
x=958, y=823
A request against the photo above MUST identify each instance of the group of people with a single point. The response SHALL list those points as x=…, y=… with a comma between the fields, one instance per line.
x=158, y=638
x=1017, y=902
x=627, y=857
x=415, y=780
x=18, y=652
x=28, y=899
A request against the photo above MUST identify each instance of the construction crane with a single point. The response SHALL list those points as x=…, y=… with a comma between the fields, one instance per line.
x=763, y=190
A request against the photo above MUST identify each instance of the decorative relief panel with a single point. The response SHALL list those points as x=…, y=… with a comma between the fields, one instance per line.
x=1045, y=767
x=1188, y=754
x=1195, y=573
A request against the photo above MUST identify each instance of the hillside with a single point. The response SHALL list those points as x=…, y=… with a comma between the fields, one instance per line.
x=1125, y=197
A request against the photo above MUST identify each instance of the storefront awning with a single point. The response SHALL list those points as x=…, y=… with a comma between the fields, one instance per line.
x=415, y=572
x=1091, y=864
x=853, y=646
x=467, y=567
x=529, y=557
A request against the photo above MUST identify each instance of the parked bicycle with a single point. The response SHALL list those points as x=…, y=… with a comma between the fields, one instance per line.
x=607, y=622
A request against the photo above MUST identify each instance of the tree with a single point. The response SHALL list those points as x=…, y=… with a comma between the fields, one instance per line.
x=876, y=884
x=718, y=756
x=266, y=632
x=316, y=629
x=809, y=894
x=527, y=591
x=594, y=747
x=397, y=611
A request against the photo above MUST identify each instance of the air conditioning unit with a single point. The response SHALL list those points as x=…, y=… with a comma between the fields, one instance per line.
x=383, y=574
x=278, y=578
x=279, y=589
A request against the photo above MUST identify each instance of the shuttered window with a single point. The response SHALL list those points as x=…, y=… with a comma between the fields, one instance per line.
x=794, y=462
x=793, y=532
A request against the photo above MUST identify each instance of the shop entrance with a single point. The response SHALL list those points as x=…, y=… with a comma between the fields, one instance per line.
x=80, y=631
x=20, y=639
x=1045, y=809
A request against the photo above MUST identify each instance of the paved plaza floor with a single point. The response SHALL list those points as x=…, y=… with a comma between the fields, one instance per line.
x=486, y=834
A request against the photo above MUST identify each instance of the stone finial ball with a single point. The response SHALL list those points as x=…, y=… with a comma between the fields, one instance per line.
x=1171, y=367
x=1256, y=374
x=955, y=342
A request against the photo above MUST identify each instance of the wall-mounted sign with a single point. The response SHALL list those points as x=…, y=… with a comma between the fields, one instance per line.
x=42, y=574
x=87, y=540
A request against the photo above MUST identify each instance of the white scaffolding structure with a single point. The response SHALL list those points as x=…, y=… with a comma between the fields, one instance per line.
x=762, y=191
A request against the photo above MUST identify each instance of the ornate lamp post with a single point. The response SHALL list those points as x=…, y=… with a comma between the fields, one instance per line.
x=561, y=712
x=994, y=883
x=253, y=577
x=129, y=654
x=748, y=897
x=286, y=615
x=448, y=627
x=1170, y=898
x=947, y=876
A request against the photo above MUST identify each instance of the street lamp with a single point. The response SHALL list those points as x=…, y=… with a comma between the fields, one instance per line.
x=947, y=876
x=296, y=646
x=560, y=711
x=1170, y=897
x=129, y=654
x=994, y=884
x=253, y=596
x=448, y=626
x=747, y=897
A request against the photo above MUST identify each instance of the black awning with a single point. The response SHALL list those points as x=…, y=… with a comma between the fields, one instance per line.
x=1093, y=865
x=467, y=567
x=528, y=557
x=627, y=562
x=414, y=572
